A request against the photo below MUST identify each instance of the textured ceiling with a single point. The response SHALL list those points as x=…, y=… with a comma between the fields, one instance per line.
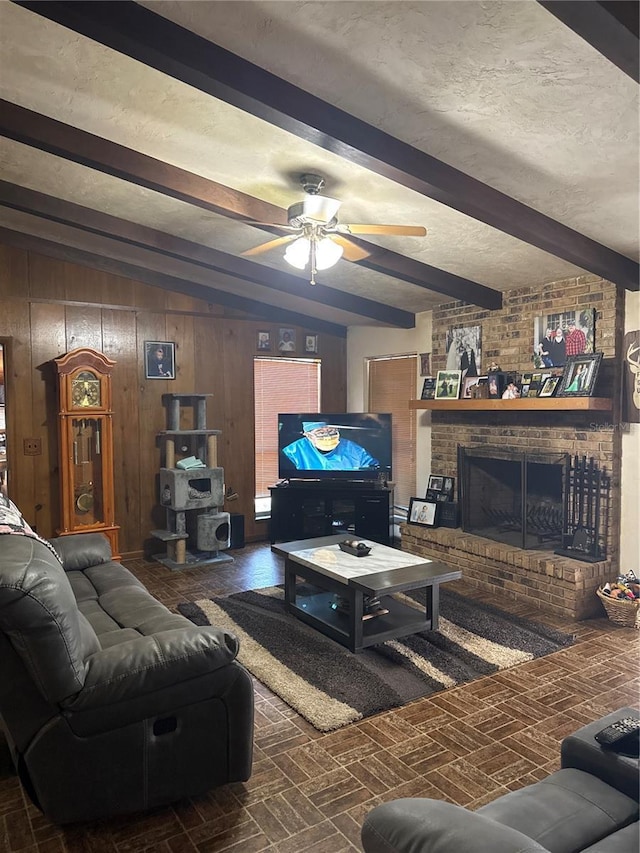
x=501, y=91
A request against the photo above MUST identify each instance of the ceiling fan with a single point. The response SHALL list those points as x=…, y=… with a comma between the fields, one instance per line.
x=315, y=236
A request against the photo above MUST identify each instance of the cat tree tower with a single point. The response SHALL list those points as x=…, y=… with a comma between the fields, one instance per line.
x=191, y=488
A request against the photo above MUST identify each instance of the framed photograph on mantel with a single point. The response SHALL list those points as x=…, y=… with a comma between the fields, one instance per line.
x=440, y=489
x=496, y=383
x=448, y=384
x=580, y=374
x=428, y=388
x=550, y=386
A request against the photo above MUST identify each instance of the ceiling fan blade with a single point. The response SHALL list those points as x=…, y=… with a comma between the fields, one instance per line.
x=402, y=230
x=272, y=244
x=290, y=228
x=351, y=252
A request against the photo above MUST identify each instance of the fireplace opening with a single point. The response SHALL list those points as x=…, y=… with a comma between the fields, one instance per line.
x=513, y=498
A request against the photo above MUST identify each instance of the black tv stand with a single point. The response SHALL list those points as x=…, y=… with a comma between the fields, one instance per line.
x=306, y=509
x=330, y=484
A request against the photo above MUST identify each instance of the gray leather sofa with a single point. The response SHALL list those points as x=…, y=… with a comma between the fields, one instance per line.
x=590, y=805
x=109, y=702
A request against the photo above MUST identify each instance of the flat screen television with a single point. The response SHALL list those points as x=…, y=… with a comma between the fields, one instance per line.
x=347, y=446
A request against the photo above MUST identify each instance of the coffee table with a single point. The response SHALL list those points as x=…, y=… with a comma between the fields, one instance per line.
x=329, y=572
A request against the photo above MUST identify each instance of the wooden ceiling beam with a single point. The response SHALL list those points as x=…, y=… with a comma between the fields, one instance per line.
x=141, y=272
x=160, y=242
x=142, y=35
x=79, y=146
x=610, y=27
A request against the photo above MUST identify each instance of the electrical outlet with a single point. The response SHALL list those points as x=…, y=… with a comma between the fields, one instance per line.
x=32, y=446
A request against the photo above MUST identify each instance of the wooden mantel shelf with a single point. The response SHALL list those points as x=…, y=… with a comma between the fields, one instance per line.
x=535, y=404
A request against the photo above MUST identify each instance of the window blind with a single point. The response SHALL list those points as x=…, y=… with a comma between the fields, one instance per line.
x=281, y=385
x=392, y=383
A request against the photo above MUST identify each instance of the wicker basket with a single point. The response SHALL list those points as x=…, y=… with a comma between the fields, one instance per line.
x=623, y=612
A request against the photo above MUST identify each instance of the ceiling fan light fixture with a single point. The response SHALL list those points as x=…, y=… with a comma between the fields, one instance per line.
x=320, y=208
x=297, y=253
x=328, y=253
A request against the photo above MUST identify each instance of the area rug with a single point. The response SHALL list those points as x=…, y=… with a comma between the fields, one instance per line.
x=331, y=687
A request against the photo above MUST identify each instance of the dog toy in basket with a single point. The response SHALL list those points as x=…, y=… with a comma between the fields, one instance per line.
x=626, y=587
x=621, y=600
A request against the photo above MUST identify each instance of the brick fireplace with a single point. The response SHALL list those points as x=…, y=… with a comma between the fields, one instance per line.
x=563, y=585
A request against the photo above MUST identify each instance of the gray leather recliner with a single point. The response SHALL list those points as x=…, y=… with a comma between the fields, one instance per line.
x=111, y=703
x=590, y=805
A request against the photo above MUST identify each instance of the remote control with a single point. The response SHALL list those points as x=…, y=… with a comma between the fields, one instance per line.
x=611, y=735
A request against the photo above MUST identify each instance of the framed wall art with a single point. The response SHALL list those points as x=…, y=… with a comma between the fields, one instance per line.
x=425, y=364
x=160, y=359
x=263, y=341
x=464, y=349
x=562, y=334
x=580, y=374
x=311, y=343
x=631, y=386
x=423, y=512
x=287, y=340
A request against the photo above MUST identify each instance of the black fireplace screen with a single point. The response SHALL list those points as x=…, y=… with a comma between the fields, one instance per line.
x=514, y=498
x=536, y=500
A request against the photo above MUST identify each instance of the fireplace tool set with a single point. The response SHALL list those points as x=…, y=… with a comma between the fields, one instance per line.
x=586, y=510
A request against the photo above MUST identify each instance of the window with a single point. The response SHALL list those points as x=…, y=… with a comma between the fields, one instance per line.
x=280, y=385
x=392, y=383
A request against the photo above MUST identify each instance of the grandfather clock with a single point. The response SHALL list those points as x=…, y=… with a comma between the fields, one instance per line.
x=86, y=444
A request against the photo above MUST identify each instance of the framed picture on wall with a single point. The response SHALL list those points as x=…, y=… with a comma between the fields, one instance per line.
x=311, y=343
x=287, y=340
x=561, y=334
x=423, y=512
x=425, y=364
x=160, y=359
x=263, y=341
x=464, y=350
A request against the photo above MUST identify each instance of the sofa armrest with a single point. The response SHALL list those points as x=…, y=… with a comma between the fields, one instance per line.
x=581, y=751
x=78, y=551
x=148, y=664
x=433, y=826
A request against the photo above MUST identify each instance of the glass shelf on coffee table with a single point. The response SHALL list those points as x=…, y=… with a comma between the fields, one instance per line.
x=317, y=574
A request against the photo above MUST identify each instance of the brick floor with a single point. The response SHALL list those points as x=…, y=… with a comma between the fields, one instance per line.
x=310, y=791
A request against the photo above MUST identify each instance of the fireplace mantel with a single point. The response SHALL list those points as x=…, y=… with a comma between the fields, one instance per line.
x=539, y=404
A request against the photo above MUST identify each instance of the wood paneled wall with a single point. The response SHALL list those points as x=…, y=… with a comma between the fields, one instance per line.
x=48, y=307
